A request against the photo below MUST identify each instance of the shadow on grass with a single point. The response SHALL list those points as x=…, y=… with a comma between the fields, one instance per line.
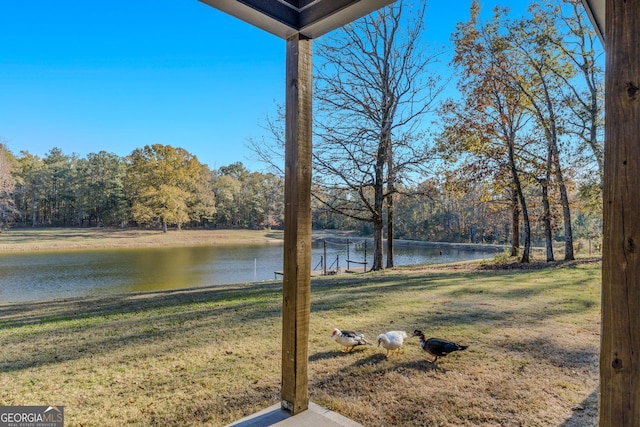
x=585, y=414
x=525, y=290
x=154, y=335
x=234, y=407
x=555, y=353
x=369, y=360
x=83, y=328
x=421, y=365
x=486, y=302
x=386, y=364
x=368, y=373
x=30, y=313
x=517, y=284
x=333, y=354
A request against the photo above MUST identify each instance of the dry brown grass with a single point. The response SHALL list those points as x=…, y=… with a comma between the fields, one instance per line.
x=50, y=239
x=211, y=356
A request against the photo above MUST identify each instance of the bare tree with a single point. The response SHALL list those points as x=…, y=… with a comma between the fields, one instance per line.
x=372, y=87
x=269, y=148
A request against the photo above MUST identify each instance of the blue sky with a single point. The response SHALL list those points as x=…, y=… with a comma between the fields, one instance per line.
x=88, y=76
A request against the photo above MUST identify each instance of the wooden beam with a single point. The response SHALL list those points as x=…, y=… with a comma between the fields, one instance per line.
x=296, y=298
x=619, y=404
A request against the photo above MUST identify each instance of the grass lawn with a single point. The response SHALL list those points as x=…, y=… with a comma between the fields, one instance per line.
x=48, y=239
x=211, y=356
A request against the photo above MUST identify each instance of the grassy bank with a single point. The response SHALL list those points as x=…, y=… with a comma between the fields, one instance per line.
x=211, y=356
x=49, y=239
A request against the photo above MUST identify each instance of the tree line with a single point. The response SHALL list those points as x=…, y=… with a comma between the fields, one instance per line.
x=155, y=186
x=104, y=189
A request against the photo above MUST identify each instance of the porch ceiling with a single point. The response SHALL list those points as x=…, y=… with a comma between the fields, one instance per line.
x=311, y=18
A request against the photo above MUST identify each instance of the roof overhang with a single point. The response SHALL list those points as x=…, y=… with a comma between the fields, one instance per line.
x=310, y=18
x=596, y=12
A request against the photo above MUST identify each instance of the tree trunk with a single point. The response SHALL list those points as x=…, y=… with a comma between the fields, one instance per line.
x=523, y=205
x=564, y=200
x=378, y=225
x=515, y=224
x=546, y=219
x=390, y=213
x=526, y=253
x=390, y=206
x=33, y=208
x=552, y=140
x=377, y=243
x=378, y=236
x=566, y=213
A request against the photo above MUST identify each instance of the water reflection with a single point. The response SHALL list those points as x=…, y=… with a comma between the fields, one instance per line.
x=47, y=275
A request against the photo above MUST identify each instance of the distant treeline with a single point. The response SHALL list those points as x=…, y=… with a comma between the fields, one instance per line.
x=155, y=186
x=161, y=186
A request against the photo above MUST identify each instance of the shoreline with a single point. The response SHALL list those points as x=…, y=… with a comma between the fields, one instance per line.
x=425, y=244
x=63, y=239
x=66, y=239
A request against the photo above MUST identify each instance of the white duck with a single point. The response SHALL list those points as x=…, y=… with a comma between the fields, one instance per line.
x=392, y=340
x=349, y=339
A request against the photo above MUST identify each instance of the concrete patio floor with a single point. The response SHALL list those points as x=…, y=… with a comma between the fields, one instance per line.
x=315, y=416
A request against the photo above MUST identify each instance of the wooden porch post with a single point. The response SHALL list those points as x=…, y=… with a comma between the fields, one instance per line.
x=619, y=403
x=296, y=292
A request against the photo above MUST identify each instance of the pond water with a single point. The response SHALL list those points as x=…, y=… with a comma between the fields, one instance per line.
x=48, y=275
